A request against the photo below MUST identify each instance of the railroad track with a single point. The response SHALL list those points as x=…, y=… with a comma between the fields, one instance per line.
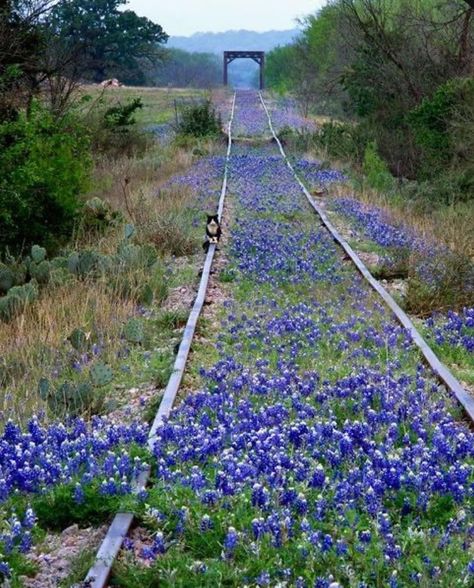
x=99, y=573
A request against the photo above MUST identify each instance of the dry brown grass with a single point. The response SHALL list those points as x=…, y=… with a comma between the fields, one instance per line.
x=34, y=343
x=116, y=178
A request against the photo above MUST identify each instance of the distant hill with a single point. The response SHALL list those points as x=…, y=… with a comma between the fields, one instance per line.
x=233, y=40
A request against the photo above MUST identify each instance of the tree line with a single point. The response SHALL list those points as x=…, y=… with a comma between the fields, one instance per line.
x=46, y=43
x=403, y=71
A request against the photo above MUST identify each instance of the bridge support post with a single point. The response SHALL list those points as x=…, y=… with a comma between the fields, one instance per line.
x=226, y=65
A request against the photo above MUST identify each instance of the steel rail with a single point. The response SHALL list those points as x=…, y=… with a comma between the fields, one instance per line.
x=440, y=370
x=98, y=575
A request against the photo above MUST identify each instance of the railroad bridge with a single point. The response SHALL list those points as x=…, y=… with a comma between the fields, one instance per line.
x=257, y=56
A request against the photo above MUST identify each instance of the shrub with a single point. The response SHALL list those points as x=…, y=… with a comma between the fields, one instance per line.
x=433, y=123
x=446, y=189
x=343, y=140
x=114, y=130
x=121, y=116
x=439, y=283
x=44, y=167
x=200, y=120
x=376, y=170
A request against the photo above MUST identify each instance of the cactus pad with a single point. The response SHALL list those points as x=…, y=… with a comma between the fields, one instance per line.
x=7, y=278
x=41, y=272
x=101, y=374
x=38, y=254
x=79, y=339
x=134, y=331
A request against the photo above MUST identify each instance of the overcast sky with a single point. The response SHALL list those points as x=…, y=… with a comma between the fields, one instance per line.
x=185, y=17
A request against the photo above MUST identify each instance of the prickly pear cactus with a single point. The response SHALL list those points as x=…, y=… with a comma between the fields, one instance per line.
x=19, y=271
x=129, y=256
x=83, y=263
x=38, y=254
x=129, y=231
x=59, y=277
x=17, y=299
x=73, y=263
x=41, y=272
x=101, y=374
x=133, y=331
x=105, y=264
x=81, y=400
x=24, y=294
x=87, y=262
x=68, y=399
x=7, y=278
x=59, y=262
x=79, y=339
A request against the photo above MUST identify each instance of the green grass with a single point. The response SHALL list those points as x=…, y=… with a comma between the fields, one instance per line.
x=158, y=103
x=459, y=359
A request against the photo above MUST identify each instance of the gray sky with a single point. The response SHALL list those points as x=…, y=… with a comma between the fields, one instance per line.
x=184, y=17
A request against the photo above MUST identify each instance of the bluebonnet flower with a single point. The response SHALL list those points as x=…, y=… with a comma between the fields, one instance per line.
x=5, y=570
x=159, y=546
x=454, y=328
x=128, y=544
x=263, y=579
x=206, y=523
x=258, y=528
x=231, y=540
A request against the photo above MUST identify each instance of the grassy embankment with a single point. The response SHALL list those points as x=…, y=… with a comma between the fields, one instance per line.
x=107, y=312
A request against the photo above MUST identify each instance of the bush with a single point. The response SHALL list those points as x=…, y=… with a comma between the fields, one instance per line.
x=376, y=170
x=114, y=129
x=343, y=140
x=121, y=116
x=433, y=123
x=447, y=189
x=200, y=120
x=44, y=167
x=441, y=282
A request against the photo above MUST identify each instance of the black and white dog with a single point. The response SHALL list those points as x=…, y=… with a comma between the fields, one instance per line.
x=213, y=231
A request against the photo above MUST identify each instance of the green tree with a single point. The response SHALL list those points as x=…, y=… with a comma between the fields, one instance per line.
x=311, y=67
x=22, y=47
x=108, y=42
x=44, y=165
x=280, y=68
